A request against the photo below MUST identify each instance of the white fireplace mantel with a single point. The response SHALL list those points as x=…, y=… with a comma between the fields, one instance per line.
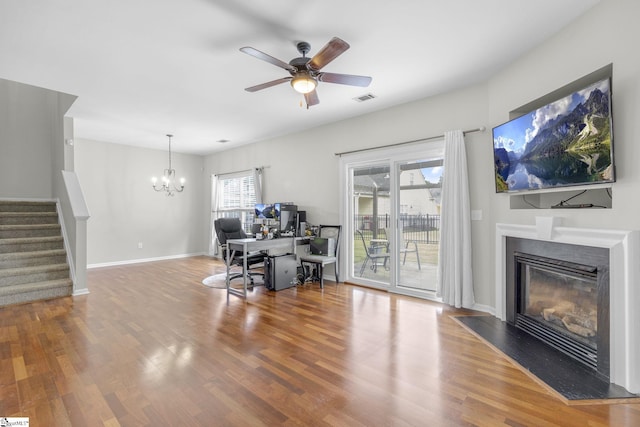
x=624, y=286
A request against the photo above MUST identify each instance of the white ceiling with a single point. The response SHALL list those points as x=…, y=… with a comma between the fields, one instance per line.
x=145, y=68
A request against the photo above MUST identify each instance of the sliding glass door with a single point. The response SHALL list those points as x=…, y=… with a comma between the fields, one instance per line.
x=416, y=235
x=392, y=214
x=369, y=219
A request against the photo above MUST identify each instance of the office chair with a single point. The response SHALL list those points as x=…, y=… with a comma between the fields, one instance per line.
x=319, y=261
x=231, y=228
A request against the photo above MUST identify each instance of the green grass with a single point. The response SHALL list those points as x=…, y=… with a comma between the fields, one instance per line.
x=428, y=251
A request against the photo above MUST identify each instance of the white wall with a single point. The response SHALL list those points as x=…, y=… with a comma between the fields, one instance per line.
x=125, y=210
x=33, y=155
x=606, y=34
x=309, y=175
x=31, y=140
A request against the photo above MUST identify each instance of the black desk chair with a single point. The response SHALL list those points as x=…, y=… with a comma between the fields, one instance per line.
x=231, y=228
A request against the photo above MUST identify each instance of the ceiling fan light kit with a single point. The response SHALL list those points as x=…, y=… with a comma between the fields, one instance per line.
x=305, y=72
x=303, y=83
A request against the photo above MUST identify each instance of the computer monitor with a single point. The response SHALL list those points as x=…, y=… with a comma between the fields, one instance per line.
x=288, y=218
x=267, y=211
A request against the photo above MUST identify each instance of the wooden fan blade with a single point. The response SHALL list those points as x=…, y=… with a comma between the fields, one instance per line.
x=267, y=84
x=345, y=79
x=328, y=53
x=311, y=98
x=268, y=58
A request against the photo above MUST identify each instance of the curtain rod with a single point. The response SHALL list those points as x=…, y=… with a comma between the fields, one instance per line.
x=480, y=129
x=243, y=170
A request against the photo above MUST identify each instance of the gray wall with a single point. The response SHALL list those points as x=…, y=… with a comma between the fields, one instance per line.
x=604, y=35
x=600, y=37
x=31, y=140
x=125, y=210
x=311, y=180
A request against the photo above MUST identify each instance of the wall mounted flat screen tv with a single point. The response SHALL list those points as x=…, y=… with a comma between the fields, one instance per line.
x=568, y=142
x=267, y=210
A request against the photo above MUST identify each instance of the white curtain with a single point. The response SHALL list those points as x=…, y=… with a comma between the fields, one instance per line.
x=455, y=280
x=257, y=184
x=213, y=242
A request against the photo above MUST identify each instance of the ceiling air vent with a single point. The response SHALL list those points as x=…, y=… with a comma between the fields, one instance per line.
x=364, y=97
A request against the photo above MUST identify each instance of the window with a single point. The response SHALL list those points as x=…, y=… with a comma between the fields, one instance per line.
x=235, y=196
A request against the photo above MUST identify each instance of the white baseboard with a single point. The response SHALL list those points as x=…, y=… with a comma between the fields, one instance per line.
x=141, y=260
x=486, y=308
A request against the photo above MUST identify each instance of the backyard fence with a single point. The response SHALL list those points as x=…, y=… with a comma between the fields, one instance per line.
x=418, y=228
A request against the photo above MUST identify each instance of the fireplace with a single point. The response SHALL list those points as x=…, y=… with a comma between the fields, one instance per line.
x=559, y=293
x=622, y=252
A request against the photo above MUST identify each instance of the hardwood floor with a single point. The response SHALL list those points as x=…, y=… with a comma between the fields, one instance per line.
x=151, y=346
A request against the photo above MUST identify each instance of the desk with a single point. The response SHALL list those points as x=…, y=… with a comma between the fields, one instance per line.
x=251, y=245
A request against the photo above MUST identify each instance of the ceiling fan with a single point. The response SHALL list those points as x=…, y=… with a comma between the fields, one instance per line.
x=305, y=72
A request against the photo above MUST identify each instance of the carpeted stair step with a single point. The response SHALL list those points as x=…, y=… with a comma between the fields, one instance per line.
x=38, y=273
x=26, y=206
x=29, y=259
x=17, y=294
x=30, y=244
x=33, y=261
x=29, y=230
x=17, y=218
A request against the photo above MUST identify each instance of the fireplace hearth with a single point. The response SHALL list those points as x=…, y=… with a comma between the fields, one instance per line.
x=560, y=294
x=623, y=274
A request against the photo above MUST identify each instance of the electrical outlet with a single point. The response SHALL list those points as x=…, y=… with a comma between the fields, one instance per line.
x=139, y=245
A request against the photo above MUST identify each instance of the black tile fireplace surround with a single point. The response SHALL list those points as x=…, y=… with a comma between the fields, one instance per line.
x=623, y=247
x=559, y=293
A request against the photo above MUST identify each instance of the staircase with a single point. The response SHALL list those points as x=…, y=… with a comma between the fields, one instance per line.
x=33, y=261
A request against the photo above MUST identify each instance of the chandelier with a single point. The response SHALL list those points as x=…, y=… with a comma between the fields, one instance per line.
x=168, y=183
